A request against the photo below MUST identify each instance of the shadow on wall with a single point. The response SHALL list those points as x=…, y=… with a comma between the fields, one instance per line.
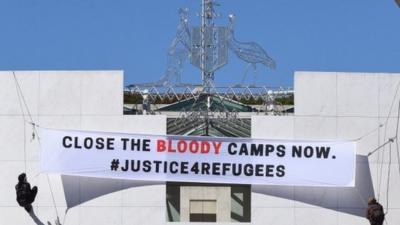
x=37, y=221
x=351, y=200
x=35, y=218
x=79, y=190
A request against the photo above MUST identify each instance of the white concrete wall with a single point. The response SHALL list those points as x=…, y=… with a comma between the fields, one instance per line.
x=89, y=100
x=328, y=106
x=346, y=106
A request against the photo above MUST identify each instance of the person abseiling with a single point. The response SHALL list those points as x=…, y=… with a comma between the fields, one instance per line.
x=375, y=213
x=25, y=195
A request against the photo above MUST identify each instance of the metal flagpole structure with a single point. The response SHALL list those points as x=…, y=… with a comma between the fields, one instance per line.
x=206, y=46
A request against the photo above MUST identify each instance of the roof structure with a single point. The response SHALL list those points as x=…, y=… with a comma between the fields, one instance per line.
x=210, y=115
x=216, y=127
x=217, y=103
x=204, y=110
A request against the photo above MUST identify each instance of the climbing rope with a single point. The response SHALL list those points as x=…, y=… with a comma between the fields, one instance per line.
x=23, y=104
x=390, y=141
x=388, y=179
x=23, y=116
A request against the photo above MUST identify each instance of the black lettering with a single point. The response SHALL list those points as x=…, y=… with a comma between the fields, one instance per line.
x=76, y=145
x=296, y=151
x=243, y=150
x=259, y=170
x=110, y=143
x=269, y=170
x=280, y=151
x=124, y=143
x=146, y=166
x=157, y=163
x=165, y=166
x=64, y=142
x=88, y=143
x=146, y=145
x=323, y=152
x=237, y=169
x=280, y=171
x=184, y=167
x=100, y=143
x=256, y=150
x=195, y=168
x=126, y=166
x=133, y=167
x=269, y=149
x=216, y=169
x=225, y=168
x=205, y=168
x=171, y=165
x=231, y=150
x=308, y=151
x=135, y=145
x=248, y=170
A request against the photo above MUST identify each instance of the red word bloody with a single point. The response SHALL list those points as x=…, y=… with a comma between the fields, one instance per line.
x=183, y=146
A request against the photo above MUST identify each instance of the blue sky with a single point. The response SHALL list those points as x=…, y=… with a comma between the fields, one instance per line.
x=132, y=35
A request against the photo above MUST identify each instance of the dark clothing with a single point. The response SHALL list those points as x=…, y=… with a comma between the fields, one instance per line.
x=22, y=177
x=25, y=195
x=375, y=214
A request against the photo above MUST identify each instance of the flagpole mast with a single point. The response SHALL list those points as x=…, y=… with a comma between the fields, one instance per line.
x=207, y=14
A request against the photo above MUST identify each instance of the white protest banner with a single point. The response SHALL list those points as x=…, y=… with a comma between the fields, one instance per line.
x=198, y=159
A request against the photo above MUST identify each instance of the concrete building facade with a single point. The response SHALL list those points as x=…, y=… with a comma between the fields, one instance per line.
x=328, y=106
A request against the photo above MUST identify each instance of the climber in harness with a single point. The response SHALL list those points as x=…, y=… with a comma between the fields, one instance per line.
x=375, y=213
x=25, y=195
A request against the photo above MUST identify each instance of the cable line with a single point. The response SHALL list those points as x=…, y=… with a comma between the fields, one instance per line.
x=23, y=116
x=22, y=103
